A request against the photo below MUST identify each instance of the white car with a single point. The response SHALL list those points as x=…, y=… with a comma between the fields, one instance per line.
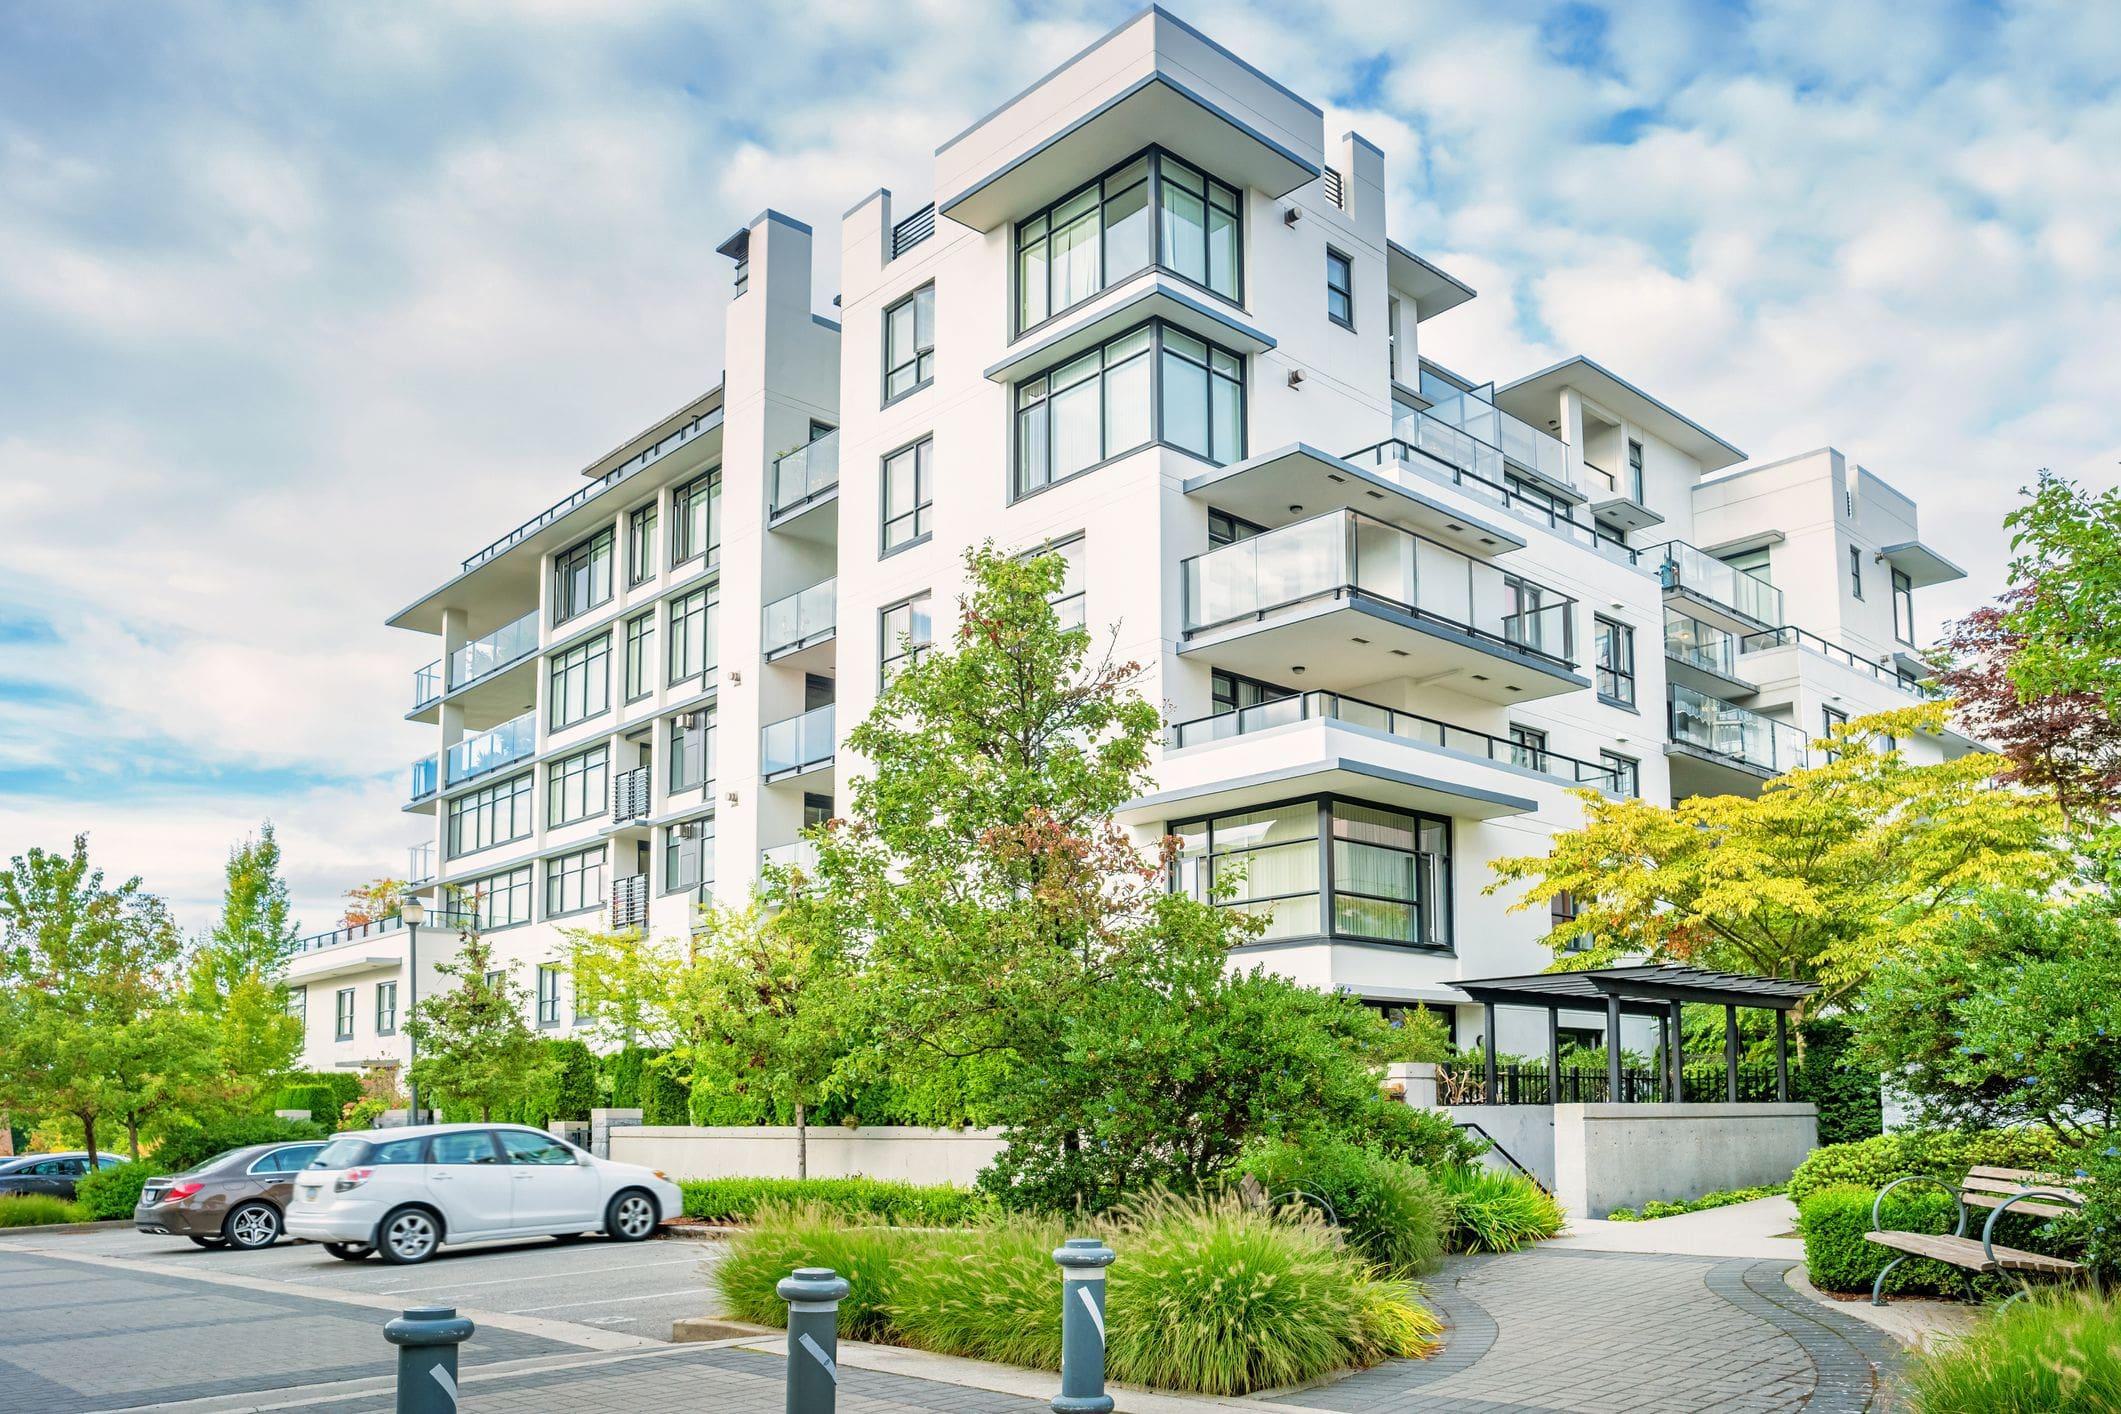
x=402, y=1193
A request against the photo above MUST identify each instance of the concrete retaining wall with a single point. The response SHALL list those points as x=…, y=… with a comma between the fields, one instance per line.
x=768, y=1151
x=1622, y=1156
x=1526, y=1131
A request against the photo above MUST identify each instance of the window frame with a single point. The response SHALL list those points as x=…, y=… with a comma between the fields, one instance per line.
x=576, y=870
x=582, y=557
x=640, y=658
x=594, y=803
x=1627, y=768
x=891, y=662
x=1904, y=607
x=548, y=999
x=642, y=523
x=922, y=361
x=708, y=486
x=1623, y=637
x=922, y=450
x=521, y=792
x=342, y=1015
x=518, y=885
x=1856, y=572
x=583, y=656
x=708, y=670
x=1345, y=263
x=703, y=856
x=1530, y=740
x=677, y=752
x=387, y=1017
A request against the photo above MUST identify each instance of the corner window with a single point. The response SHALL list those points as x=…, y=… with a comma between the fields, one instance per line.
x=1616, y=660
x=696, y=520
x=581, y=682
x=581, y=578
x=1856, y=571
x=909, y=495
x=1904, y=608
x=693, y=648
x=909, y=344
x=574, y=883
x=548, y=1007
x=1340, y=289
x=1153, y=383
x=908, y=632
x=640, y=545
x=576, y=787
x=1151, y=208
x=342, y=1015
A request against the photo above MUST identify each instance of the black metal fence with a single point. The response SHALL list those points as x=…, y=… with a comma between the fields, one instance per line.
x=1526, y=1083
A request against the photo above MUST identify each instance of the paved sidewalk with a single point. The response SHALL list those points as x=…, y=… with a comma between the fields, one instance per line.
x=1760, y=1228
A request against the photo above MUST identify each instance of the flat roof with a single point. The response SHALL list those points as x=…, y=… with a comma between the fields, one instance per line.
x=1434, y=288
x=1650, y=986
x=1608, y=387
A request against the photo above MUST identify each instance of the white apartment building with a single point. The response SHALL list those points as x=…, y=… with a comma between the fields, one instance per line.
x=1154, y=320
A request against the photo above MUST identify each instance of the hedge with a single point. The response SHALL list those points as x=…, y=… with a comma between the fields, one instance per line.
x=1833, y=1222
x=114, y=1192
x=665, y=1099
x=344, y=1085
x=182, y=1151
x=1939, y=1153
x=885, y=1201
x=626, y=1077
x=42, y=1210
x=320, y=1100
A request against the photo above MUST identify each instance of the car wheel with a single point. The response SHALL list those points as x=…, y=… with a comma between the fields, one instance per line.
x=349, y=1251
x=252, y=1226
x=631, y=1216
x=408, y=1235
x=209, y=1241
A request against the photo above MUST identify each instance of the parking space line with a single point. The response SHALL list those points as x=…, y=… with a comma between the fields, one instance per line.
x=608, y=1301
x=546, y=1276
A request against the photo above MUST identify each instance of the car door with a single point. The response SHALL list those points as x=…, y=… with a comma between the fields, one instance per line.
x=554, y=1190
x=469, y=1180
x=273, y=1174
x=58, y=1176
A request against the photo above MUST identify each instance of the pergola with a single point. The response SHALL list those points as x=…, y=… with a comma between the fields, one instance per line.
x=1655, y=990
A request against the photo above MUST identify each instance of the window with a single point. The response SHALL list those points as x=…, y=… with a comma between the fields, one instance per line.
x=1068, y=601
x=342, y=1015
x=1830, y=718
x=909, y=495
x=1153, y=383
x=578, y=787
x=1635, y=472
x=548, y=1015
x=688, y=854
x=908, y=632
x=500, y=900
x=1391, y=875
x=640, y=656
x=909, y=344
x=1627, y=772
x=522, y=1146
x=1265, y=863
x=463, y=1146
x=1392, y=326
x=817, y=809
x=1150, y=207
x=1234, y=694
x=581, y=577
x=1903, y=607
x=1753, y=562
x=691, y=749
x=1561, y=909
x=581, y=682
x=1528, y=747
x=1526, y=621
x=1856, y=571
x=1340, y=288
x=696, y=520
x=574, y=882
x=1227, y=529
x=484, y=818
x=386, y=1008
x=692, y=637
x=1616, y=660
x=640, y=545
x=298, y=1005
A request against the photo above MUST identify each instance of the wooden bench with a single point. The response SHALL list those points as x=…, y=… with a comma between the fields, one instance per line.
x=1998, y=1190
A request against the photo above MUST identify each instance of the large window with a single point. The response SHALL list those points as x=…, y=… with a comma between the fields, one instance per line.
x=548, y=1010
x=640, y=656
x=909, y=344
x=574, y=882
x=1616, y=660
x=908, y=632
x=691, y=749
x=1903, y=607
x=1753, y=562
x=640, y=545
x=581, y=577
x=498, y=901
x=342, y=1015
x=1232, y=693
x=1386, y=874
x=581, y=682
x=386, y=1008
x=577, y=787
x=1151, y=207
x=909, y=495
x=1340, y=288
x=696, y=520
x=1154, y=383
x=688, y=854
x=495, y=815
x=1627, y=772
x=692, y=637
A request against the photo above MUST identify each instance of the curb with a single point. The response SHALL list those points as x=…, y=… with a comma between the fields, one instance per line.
x=37, y=1229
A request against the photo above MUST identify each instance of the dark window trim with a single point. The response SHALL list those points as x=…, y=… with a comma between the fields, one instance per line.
x=711, y=552
x=1623, y=637
x=342, y=1014
x=638, y=574
x=1347, y=263
x=450, y=811
x=554, y=772
x=1904, y=594
x=886, y=648
x=627, y=638
x=885, y=549
x=611, y=555
x=884, y=332
x=1856, y=572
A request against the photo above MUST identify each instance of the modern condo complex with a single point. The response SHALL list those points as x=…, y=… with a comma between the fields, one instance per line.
x=1153, y=321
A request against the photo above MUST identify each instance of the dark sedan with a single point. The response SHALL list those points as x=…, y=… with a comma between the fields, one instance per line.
x=232, y=1200
x=52, y=1174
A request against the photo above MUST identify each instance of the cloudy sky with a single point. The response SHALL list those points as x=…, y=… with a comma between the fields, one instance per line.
x=300, y=304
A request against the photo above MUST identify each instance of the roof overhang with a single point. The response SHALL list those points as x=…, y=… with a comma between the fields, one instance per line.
x=1329, y=775
x=1920, y=563
x=1649, y=987
x=1533, y=399
x=1149, y=295
x=1434, y=289
x=1299, y=480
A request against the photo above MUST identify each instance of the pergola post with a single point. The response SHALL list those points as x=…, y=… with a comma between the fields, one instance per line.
x=1782, y=1056
x=1730, y=1052
x=1678, y=1061
x=1553, y=1055
x=1487, y=1066
x=1612, y=1049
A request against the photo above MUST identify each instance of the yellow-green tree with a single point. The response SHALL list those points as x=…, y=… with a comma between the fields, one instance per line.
x=1832, y=868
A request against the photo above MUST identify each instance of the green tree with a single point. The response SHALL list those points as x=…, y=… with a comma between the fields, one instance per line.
x=235, y=976
x=624, y=985
x=1833, y=868
x=476, y=1048
x=2067, y=572
x=256, y=927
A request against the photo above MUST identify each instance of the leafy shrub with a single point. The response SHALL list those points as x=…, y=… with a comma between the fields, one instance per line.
x=1833, y=1220
x=572, y=1090
x=1659, y=1208
x=1385, y=1208
x=113, y=1193
x=1416, y=1135
x=1834, y=1078
x=2054, y=1353
x=1206, y=1297
x=2100, y=1223
x=42, y=1209
x=320, y=1100
x=879, y=1200
x=1938, y=1153
x=665, y=1098
x=179, y=1152
x=626, y=1077
x=344, y=1088
x=1495, y=1211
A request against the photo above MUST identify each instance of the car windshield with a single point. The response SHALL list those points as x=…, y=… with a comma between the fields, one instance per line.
x=204, y=1164
x=342, y=1153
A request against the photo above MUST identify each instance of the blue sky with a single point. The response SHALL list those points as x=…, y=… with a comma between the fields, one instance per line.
x=299, y=304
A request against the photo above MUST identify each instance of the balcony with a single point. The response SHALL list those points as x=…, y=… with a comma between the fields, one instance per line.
x=796, y=747
x=420, y=862
x=1722, y=589
x=427, y=685
x=1718, y=748
x=1789, y=636
x=506, y=744
x=795, y=855
x=806, y=477
x=1522, y=447
x=504, y=647
x=1702, y=656
x=629, y=901
x=1421, y=447
x=1408, y=726
x=1265, y=488
x=1350, y=600
x=342, y=952
x=803, y=620
x=424, y=780
x=1618, y=501
x=631, y=795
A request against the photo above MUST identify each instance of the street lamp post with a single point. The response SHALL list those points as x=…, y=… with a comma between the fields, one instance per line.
x=414, y=913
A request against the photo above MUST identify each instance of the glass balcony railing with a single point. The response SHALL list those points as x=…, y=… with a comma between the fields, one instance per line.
x=317, y=942
x=1790, y=634
x=426, y=684
x=424, y=779
x=420, y=862
x=1703, y=574
x=1688, y=640
x=797, y=854
x=806, y=473
x=1476, y=468
x=797, y=743
x=1522, y=445
x=490, y=750
x=802, y=618
x=1427, y=731
x=1343, y=554
x=1711, y=724
x=510, y=643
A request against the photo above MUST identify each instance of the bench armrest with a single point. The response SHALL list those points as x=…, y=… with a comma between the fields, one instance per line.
x=1958, y=1230
x=1988, y=1228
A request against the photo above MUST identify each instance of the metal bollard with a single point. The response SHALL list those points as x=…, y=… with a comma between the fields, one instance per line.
x=427, y=1338
x=1082, y=1262
x=813, y=1296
